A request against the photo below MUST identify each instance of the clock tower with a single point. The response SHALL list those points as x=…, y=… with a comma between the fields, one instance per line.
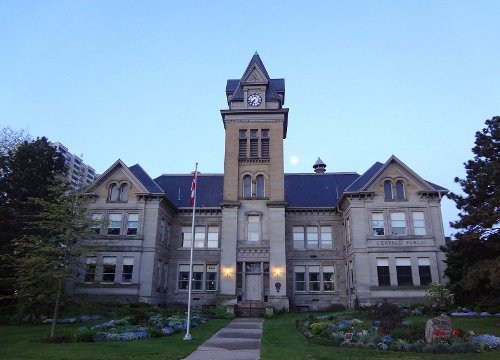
x=253, y=259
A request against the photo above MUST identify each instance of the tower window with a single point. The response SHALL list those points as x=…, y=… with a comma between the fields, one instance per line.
x=247, y=186
x=242, y=149
x=254, y=148
x=260, y=182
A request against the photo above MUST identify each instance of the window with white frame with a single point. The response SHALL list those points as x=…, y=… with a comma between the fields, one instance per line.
x=96, y=222
x=132, y=224
x=108, y=268
x=115, y=224
x=424, y=271
x=398, y=223
x=312, y=237
x=377, y=223
x=314, y=278
x=383, y=274
x=90, y=266
x=204, y=236
x=418, y=223
x=127, y=269
x=253, y=228
x=298, y=237
x=403, y=271
x=204, y=277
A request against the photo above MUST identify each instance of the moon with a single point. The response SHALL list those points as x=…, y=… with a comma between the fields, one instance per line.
x=294, y=159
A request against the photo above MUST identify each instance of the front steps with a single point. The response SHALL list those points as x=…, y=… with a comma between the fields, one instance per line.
x=252, y=309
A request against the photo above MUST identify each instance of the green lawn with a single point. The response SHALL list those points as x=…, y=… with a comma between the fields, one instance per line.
x=22, y=342
x=281, y=340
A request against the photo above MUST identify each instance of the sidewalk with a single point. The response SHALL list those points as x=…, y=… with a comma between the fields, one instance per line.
x=239, y=340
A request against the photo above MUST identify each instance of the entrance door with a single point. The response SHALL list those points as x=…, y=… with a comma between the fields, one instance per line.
x=253, y=287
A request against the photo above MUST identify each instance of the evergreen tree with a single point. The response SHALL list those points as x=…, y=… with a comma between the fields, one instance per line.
x=473, y=259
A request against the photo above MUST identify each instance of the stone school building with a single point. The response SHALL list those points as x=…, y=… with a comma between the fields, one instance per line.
x=303, y=241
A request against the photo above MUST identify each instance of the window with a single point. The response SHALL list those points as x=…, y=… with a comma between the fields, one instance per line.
x=254, y=148
x=424, y=271
x=300, y=278
x=108, y=268
x=264, y=144
x=127, y=269
x=312, y=237
x=204, y=277
x=242, y=149
x=260, y=191
x=162, y=230
x=247, y=186
x=314, y=278
x=418, y=223
x=199, y=237
x=211, y=283
x=124, y=192
x=298, y=237
x=388, y=190
x=384, y=277
x=403, y=271
x=398, y=223
x=132, y=224
x=328, y=278
x=400, y=190
x=165, y=275
x=348, y=231
x=113, y=192
x=326, y=237
x=377, y=224
x=115, y=224
x=253, y=224
x=96, y=223
x=186, y=236
x=183, y=277
x=90, y=265
x=213, y=236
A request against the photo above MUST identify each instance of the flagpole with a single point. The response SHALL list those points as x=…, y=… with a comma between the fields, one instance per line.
x=193, y=201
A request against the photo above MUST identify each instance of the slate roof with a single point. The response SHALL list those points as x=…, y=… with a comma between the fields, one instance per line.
x=178, y=189
x=316, y=190
x=436, y=187
x=145, y=179
x=363, y=179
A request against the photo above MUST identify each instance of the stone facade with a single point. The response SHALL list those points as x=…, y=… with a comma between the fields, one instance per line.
x=300, y=241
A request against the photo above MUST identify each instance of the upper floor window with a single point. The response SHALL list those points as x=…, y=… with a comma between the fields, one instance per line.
x=96, y=222
x=264, y=144
x=387, y=190
x=418, y=222
x=108, y=268
x=124, y=192
x=377, y=224
x=400, y=190
x=257, y=142
x=132, y=224
x=398, y=223
x=313, y=237
x=113, y=192
x=259, y=184
x=115, y=224
x=204, y=236
x=247, y=186
x=253, y=228
x=347, y=231
x=90, y=266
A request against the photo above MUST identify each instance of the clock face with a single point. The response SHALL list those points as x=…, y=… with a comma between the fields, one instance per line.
x=254, y=99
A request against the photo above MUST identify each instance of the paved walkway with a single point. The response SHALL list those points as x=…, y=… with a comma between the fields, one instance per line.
x=239, y=340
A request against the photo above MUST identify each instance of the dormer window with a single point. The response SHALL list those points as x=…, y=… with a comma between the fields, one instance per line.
x=400, y=190
x=388, y=190
x=124, y=192
x=113, y=192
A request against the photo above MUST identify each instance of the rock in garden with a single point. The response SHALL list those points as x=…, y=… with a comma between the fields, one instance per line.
x=437, y=329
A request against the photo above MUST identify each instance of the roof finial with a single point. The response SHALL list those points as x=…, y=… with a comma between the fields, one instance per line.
x=319, y=166
x=256, y=53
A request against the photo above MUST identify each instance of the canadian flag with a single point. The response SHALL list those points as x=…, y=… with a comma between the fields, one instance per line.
x=193, y=189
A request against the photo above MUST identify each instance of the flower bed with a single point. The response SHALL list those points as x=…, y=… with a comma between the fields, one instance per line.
x=347, y=330
x=152, y=325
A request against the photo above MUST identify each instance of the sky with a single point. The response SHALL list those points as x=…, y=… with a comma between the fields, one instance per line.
x=144, y=81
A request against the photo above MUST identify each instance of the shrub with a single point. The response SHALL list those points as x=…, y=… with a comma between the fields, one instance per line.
x=337, y=308
x=85, y=335
x=317, y=328
x=439, y=296
x=388, y=314
x=154, y=332
x=139, y=316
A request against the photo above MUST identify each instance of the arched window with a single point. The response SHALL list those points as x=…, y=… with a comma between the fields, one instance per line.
x=400, y=190
x=260, y=184
x=113, y=192
x=247, y=186
x=124, y=192
x=388, y=190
